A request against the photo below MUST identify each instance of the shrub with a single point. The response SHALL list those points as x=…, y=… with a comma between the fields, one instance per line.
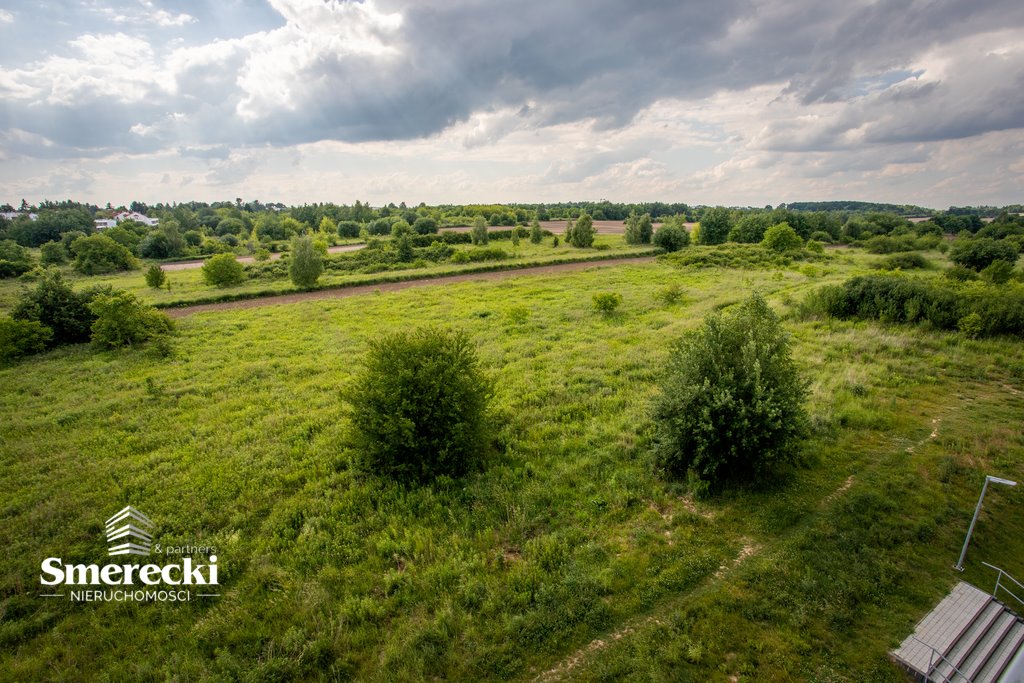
x=99, y=254
x=750, y=228
x=821, y=236
x=400, y=228
x=961, y=274
x=582, y=233
x=261, y=255
x=638, y=229
x=14, y=259
x=123, y=320
x=349, y=229
x=403, y=247
x=554, y=241
x=53, y=253
x=671, y=237
x=536, y=234
x=419, y=407
x=155, y=276
x=715, y=225
x=307, y=263
x=607, y=302
x=223, y=270
x=904, y=261
x=781, y=238
x=883, y=244
x=55, y=305
x=479, y=232
x=816, y=247
x=979, y=253
x=971, y=325
x=732, y=403
x=425, y=226
x=998, y=272
x=22, y=337
x=670, y=294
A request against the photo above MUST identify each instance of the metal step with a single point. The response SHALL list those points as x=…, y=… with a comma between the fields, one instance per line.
x=987, y=645
x=961, y=650
x=1001, y=657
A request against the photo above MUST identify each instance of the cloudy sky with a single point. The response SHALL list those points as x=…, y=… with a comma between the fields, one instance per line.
x=737, y=102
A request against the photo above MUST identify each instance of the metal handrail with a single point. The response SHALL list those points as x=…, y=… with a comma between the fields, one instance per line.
x=999, y=579
x=932, y=663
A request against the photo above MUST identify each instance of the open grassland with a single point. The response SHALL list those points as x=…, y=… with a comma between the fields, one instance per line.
x=566, y=557
x=187, y=285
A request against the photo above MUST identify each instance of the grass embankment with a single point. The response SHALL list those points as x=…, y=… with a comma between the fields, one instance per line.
x=187, y=286
x=566, y=538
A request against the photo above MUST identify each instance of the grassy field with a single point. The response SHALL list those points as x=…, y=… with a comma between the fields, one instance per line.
x=187, y=286
x=567, y=557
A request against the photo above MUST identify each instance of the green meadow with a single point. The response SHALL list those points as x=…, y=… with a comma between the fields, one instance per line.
x=187, y=286
x=567, y=556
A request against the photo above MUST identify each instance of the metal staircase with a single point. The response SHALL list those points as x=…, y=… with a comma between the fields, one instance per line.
x=970, y=637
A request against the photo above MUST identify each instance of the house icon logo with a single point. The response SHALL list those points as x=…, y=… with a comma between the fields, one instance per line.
x=128, y=533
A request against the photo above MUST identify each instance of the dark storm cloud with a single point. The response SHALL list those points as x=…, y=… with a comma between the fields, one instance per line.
x=569, y=61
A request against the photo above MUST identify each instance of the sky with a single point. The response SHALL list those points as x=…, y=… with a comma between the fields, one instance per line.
x=732, y=102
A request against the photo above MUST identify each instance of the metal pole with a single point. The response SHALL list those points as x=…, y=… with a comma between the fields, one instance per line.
x=963, y=553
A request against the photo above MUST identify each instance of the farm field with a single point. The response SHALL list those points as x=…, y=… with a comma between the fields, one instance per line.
x=567, y=557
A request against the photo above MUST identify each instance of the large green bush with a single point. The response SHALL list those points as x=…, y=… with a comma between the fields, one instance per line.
x=781, y=238
x=671, y=237
x=223, y=270
x=419, y=407
x=22, y=337
x=306, y=262
x=99, y=254
x=981, y=252
x=732, y=402
x=54, y=304
x=123, y=320
x=715, y=225
x=581, y=233
x=52, y=254
x=14, y=259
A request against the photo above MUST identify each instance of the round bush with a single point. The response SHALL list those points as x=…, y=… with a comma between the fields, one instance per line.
x=671, y=237
x=781, y=238
x=419, y=408
x=731, y=405
x=155, y=276
x=223, y=270
x=981, y=252
x=306, y=263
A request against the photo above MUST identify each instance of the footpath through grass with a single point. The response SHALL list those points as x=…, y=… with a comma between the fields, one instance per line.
x=565, y=538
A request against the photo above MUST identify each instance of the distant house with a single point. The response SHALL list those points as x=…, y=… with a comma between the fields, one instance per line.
x=11, y=215
x=104, y=223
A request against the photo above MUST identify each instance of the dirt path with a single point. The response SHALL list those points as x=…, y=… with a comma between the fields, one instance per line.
x=198, y=263
x=357, y=290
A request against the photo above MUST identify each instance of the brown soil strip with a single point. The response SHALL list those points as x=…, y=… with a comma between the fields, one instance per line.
x=358, y=290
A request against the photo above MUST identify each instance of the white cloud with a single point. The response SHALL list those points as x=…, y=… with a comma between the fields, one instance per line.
x=6, y=17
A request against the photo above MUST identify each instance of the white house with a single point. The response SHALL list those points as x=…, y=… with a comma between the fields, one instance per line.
x=104, y=223
x=11, y=215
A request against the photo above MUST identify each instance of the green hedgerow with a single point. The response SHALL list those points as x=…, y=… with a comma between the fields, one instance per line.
x=419, y=407
x=732, y=403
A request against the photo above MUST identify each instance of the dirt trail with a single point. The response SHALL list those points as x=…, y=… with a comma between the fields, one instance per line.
x=357, y=290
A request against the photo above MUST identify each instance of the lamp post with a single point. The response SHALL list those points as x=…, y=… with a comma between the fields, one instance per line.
x=995, y=480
